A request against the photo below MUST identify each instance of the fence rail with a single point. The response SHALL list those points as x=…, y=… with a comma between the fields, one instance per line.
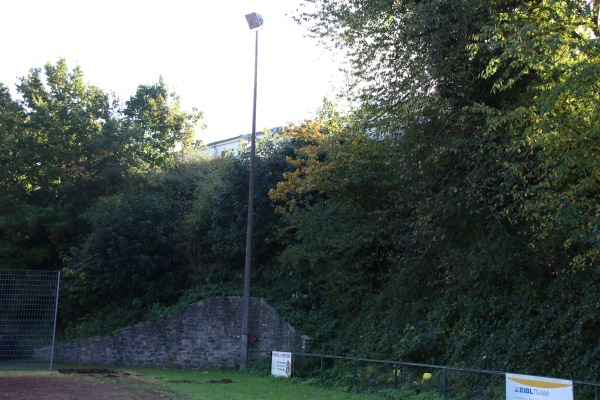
x=366, y=373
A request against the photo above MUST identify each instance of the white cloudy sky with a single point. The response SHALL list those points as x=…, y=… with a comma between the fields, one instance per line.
x=203, y=49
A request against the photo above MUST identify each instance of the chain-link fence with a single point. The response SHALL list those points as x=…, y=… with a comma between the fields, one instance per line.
x=28, y=305
x=404, y=379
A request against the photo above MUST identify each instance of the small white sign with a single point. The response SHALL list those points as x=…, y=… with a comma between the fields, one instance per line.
x=524, y=387
x=281, y=364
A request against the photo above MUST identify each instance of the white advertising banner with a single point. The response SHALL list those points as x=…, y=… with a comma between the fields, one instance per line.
x=524, y=387
x=281, y=364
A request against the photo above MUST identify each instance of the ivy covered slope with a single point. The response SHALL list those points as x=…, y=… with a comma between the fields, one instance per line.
x=455, y=217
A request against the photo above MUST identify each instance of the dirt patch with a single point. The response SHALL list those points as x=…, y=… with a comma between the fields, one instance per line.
x=198, y=382
x=87, y=371
x=106, y=385
x=220, y=381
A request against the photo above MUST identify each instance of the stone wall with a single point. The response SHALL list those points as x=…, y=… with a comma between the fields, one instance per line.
x=204, y=334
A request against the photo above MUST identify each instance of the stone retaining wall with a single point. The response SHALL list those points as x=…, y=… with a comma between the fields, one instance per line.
x=204, y=334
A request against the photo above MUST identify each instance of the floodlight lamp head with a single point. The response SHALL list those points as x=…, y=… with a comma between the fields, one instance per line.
x=254, y=20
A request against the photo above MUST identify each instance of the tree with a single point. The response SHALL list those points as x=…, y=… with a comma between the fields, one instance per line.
x=157, y=125
x=551, y=143
x=405, y=57
x=50, y=162
x=64, y=143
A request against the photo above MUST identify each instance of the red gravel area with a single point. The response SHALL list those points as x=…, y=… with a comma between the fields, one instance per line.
x=111, y=385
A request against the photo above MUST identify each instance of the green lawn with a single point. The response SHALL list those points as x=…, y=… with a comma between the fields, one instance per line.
x=236, y=385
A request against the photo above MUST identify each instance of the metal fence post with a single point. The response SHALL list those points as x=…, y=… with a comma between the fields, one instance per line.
x=445, y=381
x=321, y=369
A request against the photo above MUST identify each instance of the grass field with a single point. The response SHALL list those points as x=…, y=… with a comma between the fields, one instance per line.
x=236, y=385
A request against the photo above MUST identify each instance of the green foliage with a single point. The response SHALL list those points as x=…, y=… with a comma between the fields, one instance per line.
x=58, y=135
x=147, y=244
x=128, y=253
x=197, y=184
x=490, y=134
x=549, y=166
x=50, y=163
x=157, y=125
x=228, y=231
x=63, y=144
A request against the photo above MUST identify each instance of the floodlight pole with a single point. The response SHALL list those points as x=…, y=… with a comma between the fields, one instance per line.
x=254, y=21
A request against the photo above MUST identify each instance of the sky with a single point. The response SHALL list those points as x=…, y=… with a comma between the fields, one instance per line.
x=203, y=49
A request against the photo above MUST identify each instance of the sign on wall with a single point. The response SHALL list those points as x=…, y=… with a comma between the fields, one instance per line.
x=281, y=364
x=524, y=387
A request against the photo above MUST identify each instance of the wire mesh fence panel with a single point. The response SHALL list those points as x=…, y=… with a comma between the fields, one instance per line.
x=28, y=302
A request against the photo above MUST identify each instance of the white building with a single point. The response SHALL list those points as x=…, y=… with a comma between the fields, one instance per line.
x=232, y=145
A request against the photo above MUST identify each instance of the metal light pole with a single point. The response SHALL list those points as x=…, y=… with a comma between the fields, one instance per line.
x=254, y=21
